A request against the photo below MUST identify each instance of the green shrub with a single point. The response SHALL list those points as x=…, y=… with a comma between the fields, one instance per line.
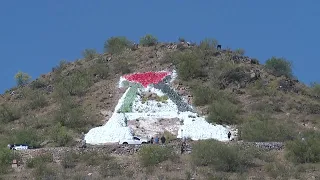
x=99, y=69
x=110, y=169
x=8, y=113
x=39, y=160
x=304, y=151
x=75, y=84
x=279, y=66
x=236, y=74
x=239, y=52
x=223, y=112
x=70, y=115
x=148, y=40
x=22, y=78
x=124, y=63
x=69, y=160
x=26, y=136
x=315, y=89
x=117, y=44
x=189, y=65
x=208, y=44
x=95, y=158
x=36, y=100
x=38, y=84
x=60, y=136
x=203, y=95
x=258, y=88
x=45, y=172
x=89, y=54
x=151, y=155
x=263, y=128
x=6, y=158
x=220, y=156
x=278, y=170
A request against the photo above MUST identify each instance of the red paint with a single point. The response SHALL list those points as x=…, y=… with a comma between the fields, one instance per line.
x=146, y=78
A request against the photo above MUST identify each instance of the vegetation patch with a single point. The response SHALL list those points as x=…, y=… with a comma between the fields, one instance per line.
x=305, y=148
x=116, y=45
x=221, y=156
x=89, y=54
x=151, y=155
x=40, y=160
x=148, y=40
x=6, y=158
x=9, y=113
x=279, y=66
x=260, y=128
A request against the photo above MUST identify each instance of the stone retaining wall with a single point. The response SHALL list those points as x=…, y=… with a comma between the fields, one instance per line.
x=125, y=150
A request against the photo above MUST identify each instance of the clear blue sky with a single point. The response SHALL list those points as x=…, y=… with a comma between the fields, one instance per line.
x=35, y=35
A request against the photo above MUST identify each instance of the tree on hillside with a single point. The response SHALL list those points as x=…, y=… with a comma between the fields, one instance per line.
x=117, y=44
x=22, y=78
x=279, y=66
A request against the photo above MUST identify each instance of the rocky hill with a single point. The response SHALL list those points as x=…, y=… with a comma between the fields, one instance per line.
x=263, y=103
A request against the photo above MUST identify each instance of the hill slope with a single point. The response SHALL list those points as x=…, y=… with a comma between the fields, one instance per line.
x=264, y=102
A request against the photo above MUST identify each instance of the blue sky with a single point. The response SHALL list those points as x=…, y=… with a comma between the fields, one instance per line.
x=35, y=35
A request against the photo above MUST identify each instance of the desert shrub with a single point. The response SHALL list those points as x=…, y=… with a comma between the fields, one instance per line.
x=278, y=170
x=6, y=158
x=208, y=44
x=169, y=136
x=305, y=148
x=60, y=136
x=203, y=95
x=22, y=78
x=152, y=155
x=220, y=156
x=239, y=52
x=117, y=44
x=71, y=115
x=110, y=169
x=262, y=128
x=188, y=65
x=38, y=84
x=236, y=74
x=8, y=113
x=148, y=40
x=259, y=88
x=60, y=67
x=69, y=160
x=45, y=172
x=26, y=136
x=75, y=84
x=124, y=63
x=315, y=89
x=99, y=69
x=89, y=54
x=39, y=160
x=279, y=66
x=223, y=112
x=36, y=100
x=95, y=158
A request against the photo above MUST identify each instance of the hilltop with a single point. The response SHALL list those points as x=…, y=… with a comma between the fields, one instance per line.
x=263, y=102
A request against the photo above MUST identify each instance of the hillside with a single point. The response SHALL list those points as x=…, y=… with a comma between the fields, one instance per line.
x=263, y=102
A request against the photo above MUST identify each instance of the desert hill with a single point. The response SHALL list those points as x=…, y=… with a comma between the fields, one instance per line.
x=263, y=102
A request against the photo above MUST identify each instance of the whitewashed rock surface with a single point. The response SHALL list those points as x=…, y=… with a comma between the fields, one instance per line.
x=193, y=126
